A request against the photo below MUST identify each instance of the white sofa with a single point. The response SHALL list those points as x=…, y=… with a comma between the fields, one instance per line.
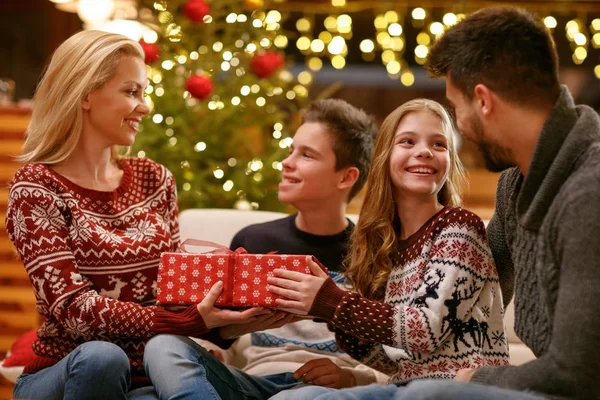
x=220, y=225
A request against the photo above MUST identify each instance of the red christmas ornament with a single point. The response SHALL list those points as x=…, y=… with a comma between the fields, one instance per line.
x=151, y=52
x=263, y=65
x=196, y=10
x=199, y=86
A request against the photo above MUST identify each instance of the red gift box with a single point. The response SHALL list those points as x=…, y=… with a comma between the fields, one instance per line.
x=185, y=278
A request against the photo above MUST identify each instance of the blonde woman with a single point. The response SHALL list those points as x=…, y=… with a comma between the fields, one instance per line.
x=90, y=226
x=427, y=301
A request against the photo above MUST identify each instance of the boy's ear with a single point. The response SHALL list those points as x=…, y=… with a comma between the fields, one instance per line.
x=349, y=178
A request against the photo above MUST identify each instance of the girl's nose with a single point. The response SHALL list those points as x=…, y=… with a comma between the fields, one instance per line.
x=424, y=152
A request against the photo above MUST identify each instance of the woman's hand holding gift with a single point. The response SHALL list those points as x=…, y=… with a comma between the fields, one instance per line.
x=215, y=317
x=299, y=290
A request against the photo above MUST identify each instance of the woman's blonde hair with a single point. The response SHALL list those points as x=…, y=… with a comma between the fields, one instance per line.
x=80, y=65
x=374, y=237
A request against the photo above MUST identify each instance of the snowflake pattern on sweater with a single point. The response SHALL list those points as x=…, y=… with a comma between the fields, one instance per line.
x=442, y=309
x=92, y=258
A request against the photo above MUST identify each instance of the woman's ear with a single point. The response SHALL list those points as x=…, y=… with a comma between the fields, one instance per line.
x=85, y=102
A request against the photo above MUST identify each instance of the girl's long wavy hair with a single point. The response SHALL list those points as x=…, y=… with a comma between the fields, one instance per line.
x=80, y=65
x=374, y=237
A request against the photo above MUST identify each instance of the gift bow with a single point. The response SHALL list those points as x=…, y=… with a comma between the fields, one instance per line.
x=219, y=248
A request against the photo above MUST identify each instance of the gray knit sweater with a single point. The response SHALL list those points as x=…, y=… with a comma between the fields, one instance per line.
x=546, y=230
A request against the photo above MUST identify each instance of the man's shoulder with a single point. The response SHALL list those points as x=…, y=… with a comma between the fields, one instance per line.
x=584, y=178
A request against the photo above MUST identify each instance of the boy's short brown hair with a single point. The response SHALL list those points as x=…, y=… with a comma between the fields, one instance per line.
x=353, y=132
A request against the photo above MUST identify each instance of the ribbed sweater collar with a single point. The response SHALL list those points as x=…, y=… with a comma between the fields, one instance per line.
x=566, y=134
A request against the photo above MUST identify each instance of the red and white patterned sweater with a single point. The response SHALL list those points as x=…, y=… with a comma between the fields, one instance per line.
x=442, y=309
x=92, y=258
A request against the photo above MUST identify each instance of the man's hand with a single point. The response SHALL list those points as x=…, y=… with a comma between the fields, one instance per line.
x=297, y=289
x=323, y=372
x=464, y=375
x=261, y=323
x=215, y=317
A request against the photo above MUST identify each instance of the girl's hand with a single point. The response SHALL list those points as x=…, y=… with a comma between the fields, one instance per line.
x=299, y=289
x=215, y=317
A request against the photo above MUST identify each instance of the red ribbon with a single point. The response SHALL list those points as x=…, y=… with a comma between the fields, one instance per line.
x=218, y=249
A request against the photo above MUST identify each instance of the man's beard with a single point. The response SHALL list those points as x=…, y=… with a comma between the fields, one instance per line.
x=497, y=158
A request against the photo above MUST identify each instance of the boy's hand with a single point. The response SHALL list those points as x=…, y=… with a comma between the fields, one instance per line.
x=323, y=372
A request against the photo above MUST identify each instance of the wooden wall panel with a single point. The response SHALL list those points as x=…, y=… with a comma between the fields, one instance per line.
x=17, y=302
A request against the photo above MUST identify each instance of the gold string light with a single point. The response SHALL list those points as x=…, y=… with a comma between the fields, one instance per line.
x=389, y=44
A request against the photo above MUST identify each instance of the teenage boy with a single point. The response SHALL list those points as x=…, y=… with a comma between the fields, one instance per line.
x=327, y=166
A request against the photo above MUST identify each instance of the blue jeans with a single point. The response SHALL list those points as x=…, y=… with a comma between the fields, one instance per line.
x=180, y=368
x=417, y=390
x=94, y=370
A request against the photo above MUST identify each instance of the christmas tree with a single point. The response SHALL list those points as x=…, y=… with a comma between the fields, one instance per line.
x=223, y=103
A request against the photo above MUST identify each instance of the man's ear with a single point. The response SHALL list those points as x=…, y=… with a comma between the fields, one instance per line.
x=484, y=99
x=349, y=178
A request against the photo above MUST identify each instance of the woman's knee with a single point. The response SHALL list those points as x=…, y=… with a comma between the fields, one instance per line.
x=101, y=354
x=102, y=360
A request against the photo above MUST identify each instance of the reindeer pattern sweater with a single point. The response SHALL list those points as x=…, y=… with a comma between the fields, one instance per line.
x=92, y=258
x=442, y=309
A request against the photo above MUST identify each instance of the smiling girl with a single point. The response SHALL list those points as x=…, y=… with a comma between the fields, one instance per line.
x=427, y=302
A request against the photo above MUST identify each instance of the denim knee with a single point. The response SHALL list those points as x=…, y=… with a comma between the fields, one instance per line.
x=170, y=345
x=431, y=389
x=302, y=393
x=96, y=356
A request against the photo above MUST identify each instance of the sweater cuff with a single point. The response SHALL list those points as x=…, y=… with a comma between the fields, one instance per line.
x=327, y=300
x=188, y=322
x=483, y=375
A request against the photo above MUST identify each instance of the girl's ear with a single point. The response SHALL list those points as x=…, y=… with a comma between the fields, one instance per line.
x=349, y=178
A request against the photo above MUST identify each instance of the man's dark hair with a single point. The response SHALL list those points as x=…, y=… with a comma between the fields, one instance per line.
x=353, y=132
x=507, y=49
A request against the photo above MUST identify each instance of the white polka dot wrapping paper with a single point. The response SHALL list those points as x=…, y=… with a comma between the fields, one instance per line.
x=185, y=278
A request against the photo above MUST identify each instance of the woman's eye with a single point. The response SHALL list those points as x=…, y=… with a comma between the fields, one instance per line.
x=132, y=92
x=440, y=144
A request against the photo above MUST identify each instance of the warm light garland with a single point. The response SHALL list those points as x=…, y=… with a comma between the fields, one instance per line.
x=330, y=42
